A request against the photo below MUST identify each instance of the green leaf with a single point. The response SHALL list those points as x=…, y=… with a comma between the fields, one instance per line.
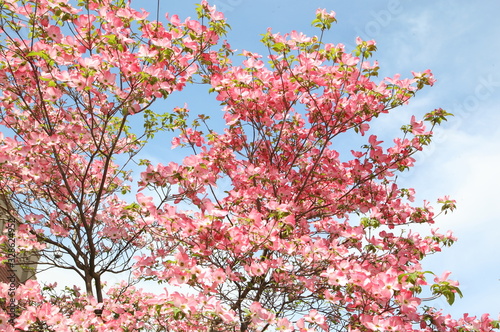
x=450, y=297
x=278, y=47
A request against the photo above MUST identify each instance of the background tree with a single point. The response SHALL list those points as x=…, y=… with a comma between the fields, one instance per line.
x=304, y=237
x=71, y=80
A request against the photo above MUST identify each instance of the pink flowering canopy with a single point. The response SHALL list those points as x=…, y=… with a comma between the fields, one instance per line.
x=302, y=236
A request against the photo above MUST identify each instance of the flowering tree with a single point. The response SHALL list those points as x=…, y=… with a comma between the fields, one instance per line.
x=71, y=80
x=304, y=237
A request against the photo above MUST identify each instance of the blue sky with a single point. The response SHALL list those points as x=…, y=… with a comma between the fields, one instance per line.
x=460, y=42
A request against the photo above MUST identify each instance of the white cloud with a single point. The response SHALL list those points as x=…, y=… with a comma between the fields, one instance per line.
x=465, y=166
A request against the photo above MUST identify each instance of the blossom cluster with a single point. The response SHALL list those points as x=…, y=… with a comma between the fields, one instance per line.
x=304, y=236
